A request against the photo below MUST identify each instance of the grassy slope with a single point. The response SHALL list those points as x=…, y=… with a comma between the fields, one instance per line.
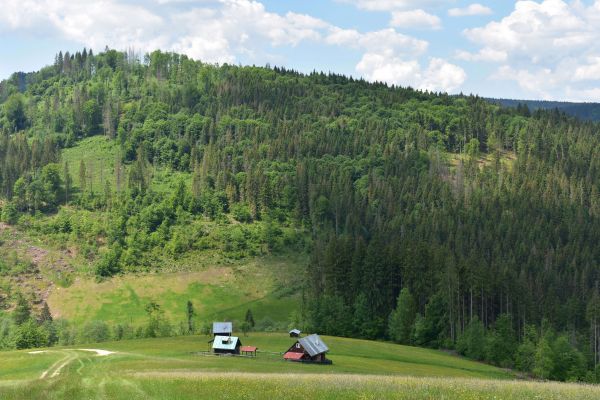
x=99, y=154
x=223, y=291
x=168, y=369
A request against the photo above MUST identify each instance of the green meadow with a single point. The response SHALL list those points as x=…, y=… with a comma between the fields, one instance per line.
x=268, y=286
x=176, y=368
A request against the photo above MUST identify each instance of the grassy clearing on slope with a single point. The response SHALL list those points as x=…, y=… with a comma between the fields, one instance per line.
x=222, y=291
x=170, y=368
x=507, y=158
x=100, y=155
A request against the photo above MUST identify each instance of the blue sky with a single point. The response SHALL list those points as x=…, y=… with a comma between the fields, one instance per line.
x=543, y=49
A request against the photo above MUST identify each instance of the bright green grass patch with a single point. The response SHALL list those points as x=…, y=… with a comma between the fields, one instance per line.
x=99, y=154
x=263, y=386
x=507, y=158
x=21, y=365
x=171, y=368
x=223, y=292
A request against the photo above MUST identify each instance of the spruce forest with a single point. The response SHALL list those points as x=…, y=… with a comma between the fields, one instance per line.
x=427, y=219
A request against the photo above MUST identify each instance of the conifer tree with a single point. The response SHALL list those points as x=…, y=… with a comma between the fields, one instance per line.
x=67, y=179
x=249, y=318
x=22, y=311
x=190, y=313
x=402, y=319
x=82, y=177
x=45, y=315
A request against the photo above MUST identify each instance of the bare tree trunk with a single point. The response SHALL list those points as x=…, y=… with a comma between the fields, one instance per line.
x=471, y=312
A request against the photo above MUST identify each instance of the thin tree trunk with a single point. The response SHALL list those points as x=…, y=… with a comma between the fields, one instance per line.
x=471, y=311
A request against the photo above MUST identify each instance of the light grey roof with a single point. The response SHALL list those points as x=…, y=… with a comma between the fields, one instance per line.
x=296, y=331
x=313, y=345
x=222, y=327
x=225, y=342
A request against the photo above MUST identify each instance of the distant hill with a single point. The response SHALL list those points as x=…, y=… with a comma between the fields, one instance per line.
x=584, y=111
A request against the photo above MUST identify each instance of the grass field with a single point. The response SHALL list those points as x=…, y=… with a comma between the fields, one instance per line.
x=171, y=368
x=265, y=285
x=99, y=154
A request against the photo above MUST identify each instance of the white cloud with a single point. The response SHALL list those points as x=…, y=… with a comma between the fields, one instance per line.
x=541, y=32
x=383, y=41
x=586, y=95
x=214, y=34
x=538, y=82
x=485, y=54
x=93, y=23
x=472, y=9
x=441, y=75
x=378, y=67
x=415, y=19
x=589, y=71
x=438, y=76
x=550, y=48
x=392, y=57
x=389, y=5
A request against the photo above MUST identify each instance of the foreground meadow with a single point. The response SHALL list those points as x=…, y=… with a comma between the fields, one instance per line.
x=174, y=368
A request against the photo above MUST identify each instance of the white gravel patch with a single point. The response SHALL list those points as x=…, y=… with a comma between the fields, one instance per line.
x=99, y=352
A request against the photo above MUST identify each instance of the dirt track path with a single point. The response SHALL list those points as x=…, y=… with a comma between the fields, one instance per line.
x=70, y=356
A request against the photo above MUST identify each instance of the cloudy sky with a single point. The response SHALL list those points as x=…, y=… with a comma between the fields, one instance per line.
x=547, y=49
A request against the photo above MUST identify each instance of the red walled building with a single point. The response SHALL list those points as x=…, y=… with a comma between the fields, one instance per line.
x=308, y=349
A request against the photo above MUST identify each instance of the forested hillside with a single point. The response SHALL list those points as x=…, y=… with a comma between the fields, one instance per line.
x=584, y=111
x=430, y=219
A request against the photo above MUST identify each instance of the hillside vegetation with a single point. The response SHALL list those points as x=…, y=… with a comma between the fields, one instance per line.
x=427, y=219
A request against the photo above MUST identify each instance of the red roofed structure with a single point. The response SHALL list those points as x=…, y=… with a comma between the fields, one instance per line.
x=293, y=356
x=308, y=349
x=248, y=350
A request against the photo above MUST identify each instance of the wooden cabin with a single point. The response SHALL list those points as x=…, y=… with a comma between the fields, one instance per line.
x=308, y=349
x=295, y=333
x=226, y=345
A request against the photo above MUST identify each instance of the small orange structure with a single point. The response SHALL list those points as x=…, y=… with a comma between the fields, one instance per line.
x=293, y=356
x=248, y=350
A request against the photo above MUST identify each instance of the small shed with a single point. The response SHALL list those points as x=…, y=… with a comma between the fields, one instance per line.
x=222, y=328
x=295, y=333
x=308, y=349
x=226, y=345
x=249, y=350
